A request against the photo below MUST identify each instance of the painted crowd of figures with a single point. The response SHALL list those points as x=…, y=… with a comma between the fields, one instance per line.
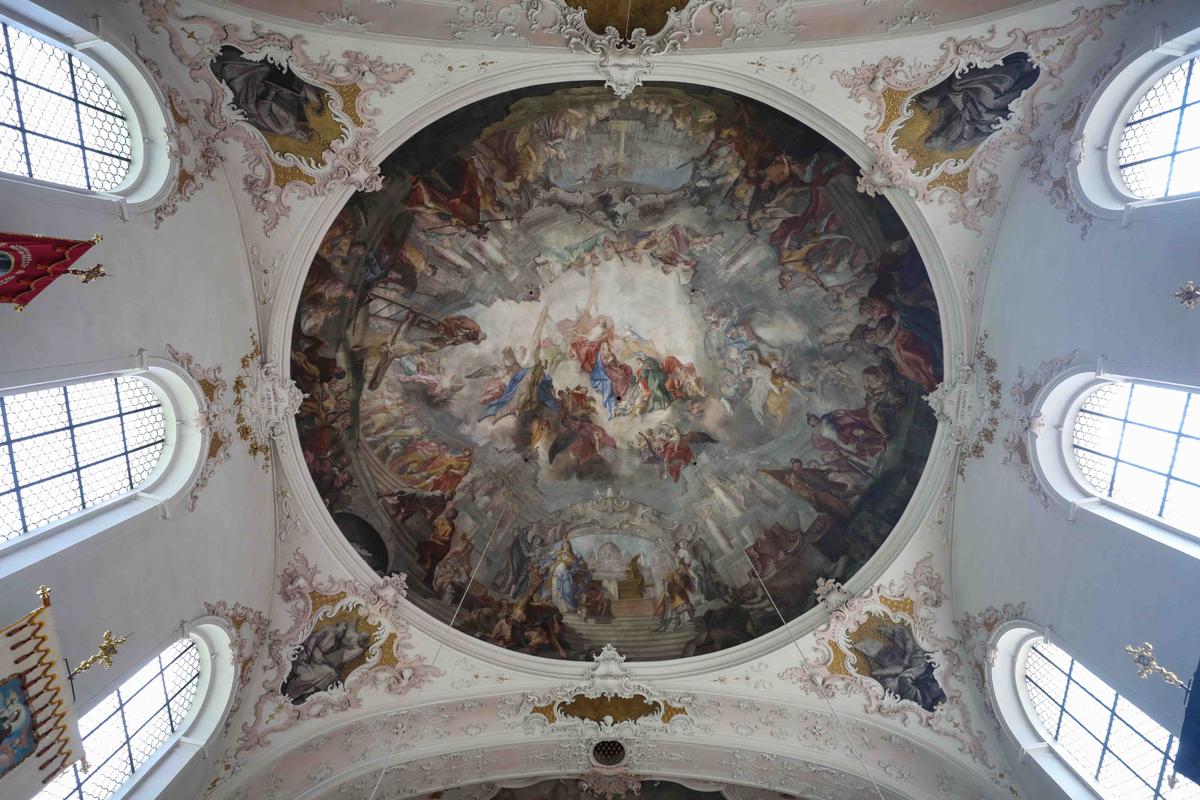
x=456, y=399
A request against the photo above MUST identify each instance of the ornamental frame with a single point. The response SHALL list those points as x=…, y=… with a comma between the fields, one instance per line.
x=308, y=598
x=625, y=62
x=971, y=185
x=273, y=180
x=910, y=601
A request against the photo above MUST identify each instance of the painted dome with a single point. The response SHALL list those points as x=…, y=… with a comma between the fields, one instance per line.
x=634, y=372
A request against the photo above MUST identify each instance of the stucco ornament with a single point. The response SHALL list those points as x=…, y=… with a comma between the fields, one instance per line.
x=1052, y=157
x=907, y=138
x=762, y=24
x=1026, y=424
x=884, y=646
x=313, y=133
x=265, y=398
x=373, y=648
x=191, y=147
x=832, y=594
x=609, y=702
x=248, y=636
x=610, y=783
x=975, y=633
x=215, y=418
x=624, y=62
x=969, y=404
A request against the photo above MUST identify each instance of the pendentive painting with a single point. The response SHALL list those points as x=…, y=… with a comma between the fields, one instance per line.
x=636, y=371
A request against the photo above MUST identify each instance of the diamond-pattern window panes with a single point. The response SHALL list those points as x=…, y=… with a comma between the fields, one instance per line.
x=68, y=448
x=1140, y=445
x=1104, y=736
x=1159, y=154
x=59, y=121
x=128, y=727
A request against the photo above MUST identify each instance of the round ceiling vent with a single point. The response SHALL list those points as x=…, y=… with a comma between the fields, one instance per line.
x=608, y=753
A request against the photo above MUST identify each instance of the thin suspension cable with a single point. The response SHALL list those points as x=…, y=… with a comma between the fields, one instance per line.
x=805, y=662
x=437, y=652
x=628, y=8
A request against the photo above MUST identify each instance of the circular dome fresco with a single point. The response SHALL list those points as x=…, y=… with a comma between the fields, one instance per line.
x=598, y=371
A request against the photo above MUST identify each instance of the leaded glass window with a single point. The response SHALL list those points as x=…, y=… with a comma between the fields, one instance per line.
x=1140, y=445
x=68, y=448
x=59, y=121
x=1104, y=736
x=1159, y=154
x=129, y=726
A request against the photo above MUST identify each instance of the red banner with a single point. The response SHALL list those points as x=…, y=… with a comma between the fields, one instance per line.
x=28, y=264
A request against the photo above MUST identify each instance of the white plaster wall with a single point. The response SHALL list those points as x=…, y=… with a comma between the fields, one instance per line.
x=1096, y=584
x=186, y=284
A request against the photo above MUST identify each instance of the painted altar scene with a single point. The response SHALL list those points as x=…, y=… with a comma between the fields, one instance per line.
x=597, y=371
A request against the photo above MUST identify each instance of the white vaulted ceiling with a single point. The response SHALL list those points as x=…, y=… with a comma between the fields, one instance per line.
x=236, y=259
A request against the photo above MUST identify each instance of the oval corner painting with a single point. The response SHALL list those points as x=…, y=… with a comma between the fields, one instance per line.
x=597, y=371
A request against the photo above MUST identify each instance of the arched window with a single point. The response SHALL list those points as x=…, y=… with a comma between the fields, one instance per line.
x=128, y=727
x=1104, y=737
x=1068, y=721
x=59, y=121
x=1139, y=445
x=1159, y=154
x=68, y=448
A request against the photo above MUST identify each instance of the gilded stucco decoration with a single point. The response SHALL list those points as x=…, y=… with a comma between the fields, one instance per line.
x=940, y=130
x=346, y=638
x=306, y=124
x=1026, y=424
x=609, y=701
x=264, y=399
x=254, y=408
x=215, y=418
x=486, y=738
x=625, y=41
x=968, y=404
x=191, y=146
x=885, y=646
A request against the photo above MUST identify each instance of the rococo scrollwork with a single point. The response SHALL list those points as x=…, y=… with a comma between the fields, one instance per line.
x=940, y=130
x=306, y=124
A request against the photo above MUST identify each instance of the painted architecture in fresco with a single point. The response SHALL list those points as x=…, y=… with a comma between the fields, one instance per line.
x=602, y=370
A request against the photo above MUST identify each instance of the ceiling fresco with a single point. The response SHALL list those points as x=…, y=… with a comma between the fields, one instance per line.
x=634, y=372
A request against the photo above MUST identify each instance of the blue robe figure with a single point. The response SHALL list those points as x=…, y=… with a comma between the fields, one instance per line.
x=603, y=386
x=505, y=404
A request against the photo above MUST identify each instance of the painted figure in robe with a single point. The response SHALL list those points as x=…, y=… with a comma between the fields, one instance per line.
x=274, y=101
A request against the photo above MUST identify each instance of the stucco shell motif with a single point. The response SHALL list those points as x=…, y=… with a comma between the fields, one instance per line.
x=634, y=372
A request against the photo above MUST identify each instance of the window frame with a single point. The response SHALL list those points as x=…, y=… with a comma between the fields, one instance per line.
x=209, y=709
x=1053, y=460
x=1113, y=150
x=152, y=169
x=178, y=467
x=1095, y=176
x=1009, y=693
x=169, y=429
